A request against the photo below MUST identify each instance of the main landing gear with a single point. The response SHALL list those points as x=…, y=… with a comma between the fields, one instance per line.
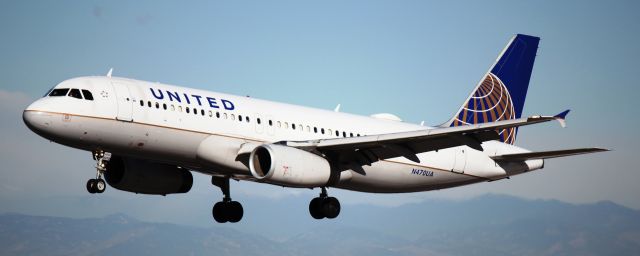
x=226, y=210
x=98, y=185
x=324, y=206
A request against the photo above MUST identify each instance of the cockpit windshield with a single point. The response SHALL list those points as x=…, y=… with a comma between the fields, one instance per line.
x=59, y=92
x=75, y=93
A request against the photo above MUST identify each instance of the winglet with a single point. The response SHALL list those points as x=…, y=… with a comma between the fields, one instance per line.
x=561, y=118
x=110, y=72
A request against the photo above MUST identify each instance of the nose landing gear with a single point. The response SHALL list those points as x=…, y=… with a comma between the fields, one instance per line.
x=98, y=185
x=324, y=206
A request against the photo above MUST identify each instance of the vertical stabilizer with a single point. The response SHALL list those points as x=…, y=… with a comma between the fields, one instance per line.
x=501, y=93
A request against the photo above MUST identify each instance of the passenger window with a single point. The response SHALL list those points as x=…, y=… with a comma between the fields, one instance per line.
x=300, y=127
x=164, y=106
x=87, y=95
x=358, y=135
x=350, y=134
x=149, y=103
x=270, y=123
x=187, y=110
x=337, y=133
x=240, y=118
x=293, y=126
x=233, y=117
x=247, y=119
x=217, y=114
x=173, y=108
x=210, y=113
x=344, y=134
x=75, y=93
x=157, y=105
x=225, y=115
x=141, y=103
x=286, y=125
x=179, y=108
x=59, y=92
x=322, y=130
x=258, y=120
x=315, y=129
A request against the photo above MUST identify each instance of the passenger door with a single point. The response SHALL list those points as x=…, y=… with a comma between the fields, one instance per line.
x=460, y=161
x=125, y=104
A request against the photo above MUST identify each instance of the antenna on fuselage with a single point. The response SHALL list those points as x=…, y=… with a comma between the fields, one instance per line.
x=110, y=72
x=337, y=109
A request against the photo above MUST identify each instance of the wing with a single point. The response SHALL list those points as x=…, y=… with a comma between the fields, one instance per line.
x=545, y=154
x=354, y=152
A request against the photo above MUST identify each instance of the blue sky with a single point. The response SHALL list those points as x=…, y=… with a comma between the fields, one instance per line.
x=416, y=59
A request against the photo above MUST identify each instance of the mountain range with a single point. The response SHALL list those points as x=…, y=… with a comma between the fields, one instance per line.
x=486, y=225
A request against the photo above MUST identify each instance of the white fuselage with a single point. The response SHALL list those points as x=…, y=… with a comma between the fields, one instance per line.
x=157, y=122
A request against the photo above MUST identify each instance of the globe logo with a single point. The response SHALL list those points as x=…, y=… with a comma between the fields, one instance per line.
x=489, y=103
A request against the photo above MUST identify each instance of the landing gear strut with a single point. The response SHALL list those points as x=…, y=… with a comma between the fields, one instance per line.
x=226, y=210
x=324, y=206
x=98, y=185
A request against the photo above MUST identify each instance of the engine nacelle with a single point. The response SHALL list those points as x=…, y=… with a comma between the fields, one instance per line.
x=289, y=166
x=140, y=176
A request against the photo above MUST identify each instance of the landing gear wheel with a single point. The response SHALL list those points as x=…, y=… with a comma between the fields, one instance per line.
x=324, y=206
x=219, y=212
x=91, y=184
x=226, y=210
x=330, y=207
x=234, y=211
x=100, y=185
x=314, y=208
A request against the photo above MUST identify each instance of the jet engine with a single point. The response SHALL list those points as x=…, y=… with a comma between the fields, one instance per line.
x=287, y=166
x=140, y=176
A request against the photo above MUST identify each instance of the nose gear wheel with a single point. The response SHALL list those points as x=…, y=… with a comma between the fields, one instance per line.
x=98, y=185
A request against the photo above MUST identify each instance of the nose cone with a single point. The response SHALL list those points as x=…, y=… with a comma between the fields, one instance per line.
x=37, y=121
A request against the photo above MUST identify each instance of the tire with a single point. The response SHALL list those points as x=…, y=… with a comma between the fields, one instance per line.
x=100, y=186
x=219, y=212
x=91, y=184
x=235, y=211
x=331, y=207
x=315, y=208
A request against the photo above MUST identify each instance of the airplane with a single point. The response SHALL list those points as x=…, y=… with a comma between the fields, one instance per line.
x=148, y=137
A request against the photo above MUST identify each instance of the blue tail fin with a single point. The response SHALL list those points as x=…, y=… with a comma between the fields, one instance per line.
x=501, y=93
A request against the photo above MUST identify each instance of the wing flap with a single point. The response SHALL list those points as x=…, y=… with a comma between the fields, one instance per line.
x=545, y=154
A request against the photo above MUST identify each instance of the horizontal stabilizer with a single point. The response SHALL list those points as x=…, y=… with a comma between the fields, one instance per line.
x=545, y=154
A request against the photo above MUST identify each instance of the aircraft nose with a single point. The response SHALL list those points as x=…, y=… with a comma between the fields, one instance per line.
x=37, y=121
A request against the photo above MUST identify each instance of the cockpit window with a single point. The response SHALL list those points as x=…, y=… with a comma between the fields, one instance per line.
x=75, y=93
x=87, y=95
x=59, y=92
x=49, y=91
